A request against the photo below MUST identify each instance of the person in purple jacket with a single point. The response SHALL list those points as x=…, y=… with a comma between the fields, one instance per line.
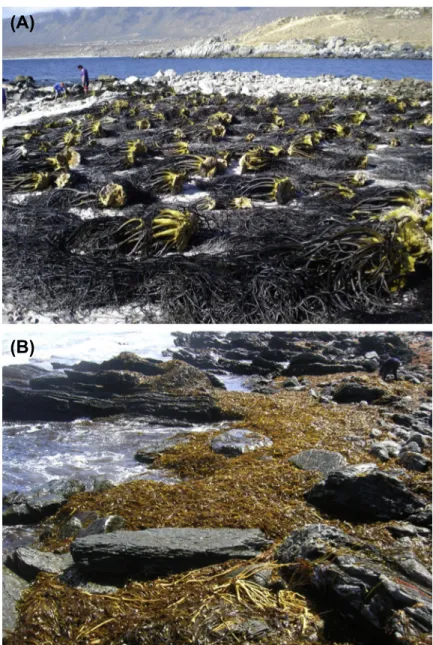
x=84, y=78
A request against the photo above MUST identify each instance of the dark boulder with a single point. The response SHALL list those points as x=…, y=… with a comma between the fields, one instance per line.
x=320, y=369
x=386, y=599
x=357, y=392
x=263, y=366
x=324, y=461
x=32, y=507
x=414, y=461
x=161, y=551
x=253, y=341
x=364, y=494
x=239, y=441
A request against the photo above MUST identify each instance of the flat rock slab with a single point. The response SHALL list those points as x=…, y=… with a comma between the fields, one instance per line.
x=324, y=461
x=356, y=392
x=364, y=495
x=12, y=588
x=160, y=551
x=238, y=441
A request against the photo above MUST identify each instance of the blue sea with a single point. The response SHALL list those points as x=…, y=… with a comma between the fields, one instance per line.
x=50, y=70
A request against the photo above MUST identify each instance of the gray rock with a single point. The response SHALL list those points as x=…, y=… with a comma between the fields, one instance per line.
x=324, y=461
x=12, y=588
x=159, y=551
x=239, y=441
x=292, y=382
x=376, y=433
x=405, y=420
x=28, y=562
x=421, y=517
x=414, y=461
x=385, y=450
x=356, y=392
x=377, y=593
x=411, y=446
x=372, y=495
x=29, y=508
x=420, y=439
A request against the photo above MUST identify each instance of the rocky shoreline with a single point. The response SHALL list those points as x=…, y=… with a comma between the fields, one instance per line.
x=334, y=47
x=316, y=483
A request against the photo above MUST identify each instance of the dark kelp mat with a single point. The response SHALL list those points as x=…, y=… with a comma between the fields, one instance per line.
x=201, y=209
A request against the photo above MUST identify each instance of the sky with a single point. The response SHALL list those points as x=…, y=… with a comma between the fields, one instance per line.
x=15, y=11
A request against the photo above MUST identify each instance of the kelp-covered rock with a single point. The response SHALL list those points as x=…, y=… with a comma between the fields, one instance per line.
x=387, y=598
x=239, y=441
x=156, y=551
x=364, y=494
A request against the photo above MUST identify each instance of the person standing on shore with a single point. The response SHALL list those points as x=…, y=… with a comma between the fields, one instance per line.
x=84, y=78
x=4, y=98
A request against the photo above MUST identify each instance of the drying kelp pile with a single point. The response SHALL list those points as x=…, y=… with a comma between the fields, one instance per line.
x=197, y=208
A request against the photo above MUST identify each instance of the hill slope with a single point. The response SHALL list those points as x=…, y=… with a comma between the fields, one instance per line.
x=121, y=29
x=397, y=25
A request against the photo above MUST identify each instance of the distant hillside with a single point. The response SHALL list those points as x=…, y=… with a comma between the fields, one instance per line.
x=397, y=25
x=105, y=31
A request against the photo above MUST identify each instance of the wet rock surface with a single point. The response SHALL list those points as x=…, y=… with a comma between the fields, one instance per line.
x=153, y=551
x=107, y=392
x=30, y=508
